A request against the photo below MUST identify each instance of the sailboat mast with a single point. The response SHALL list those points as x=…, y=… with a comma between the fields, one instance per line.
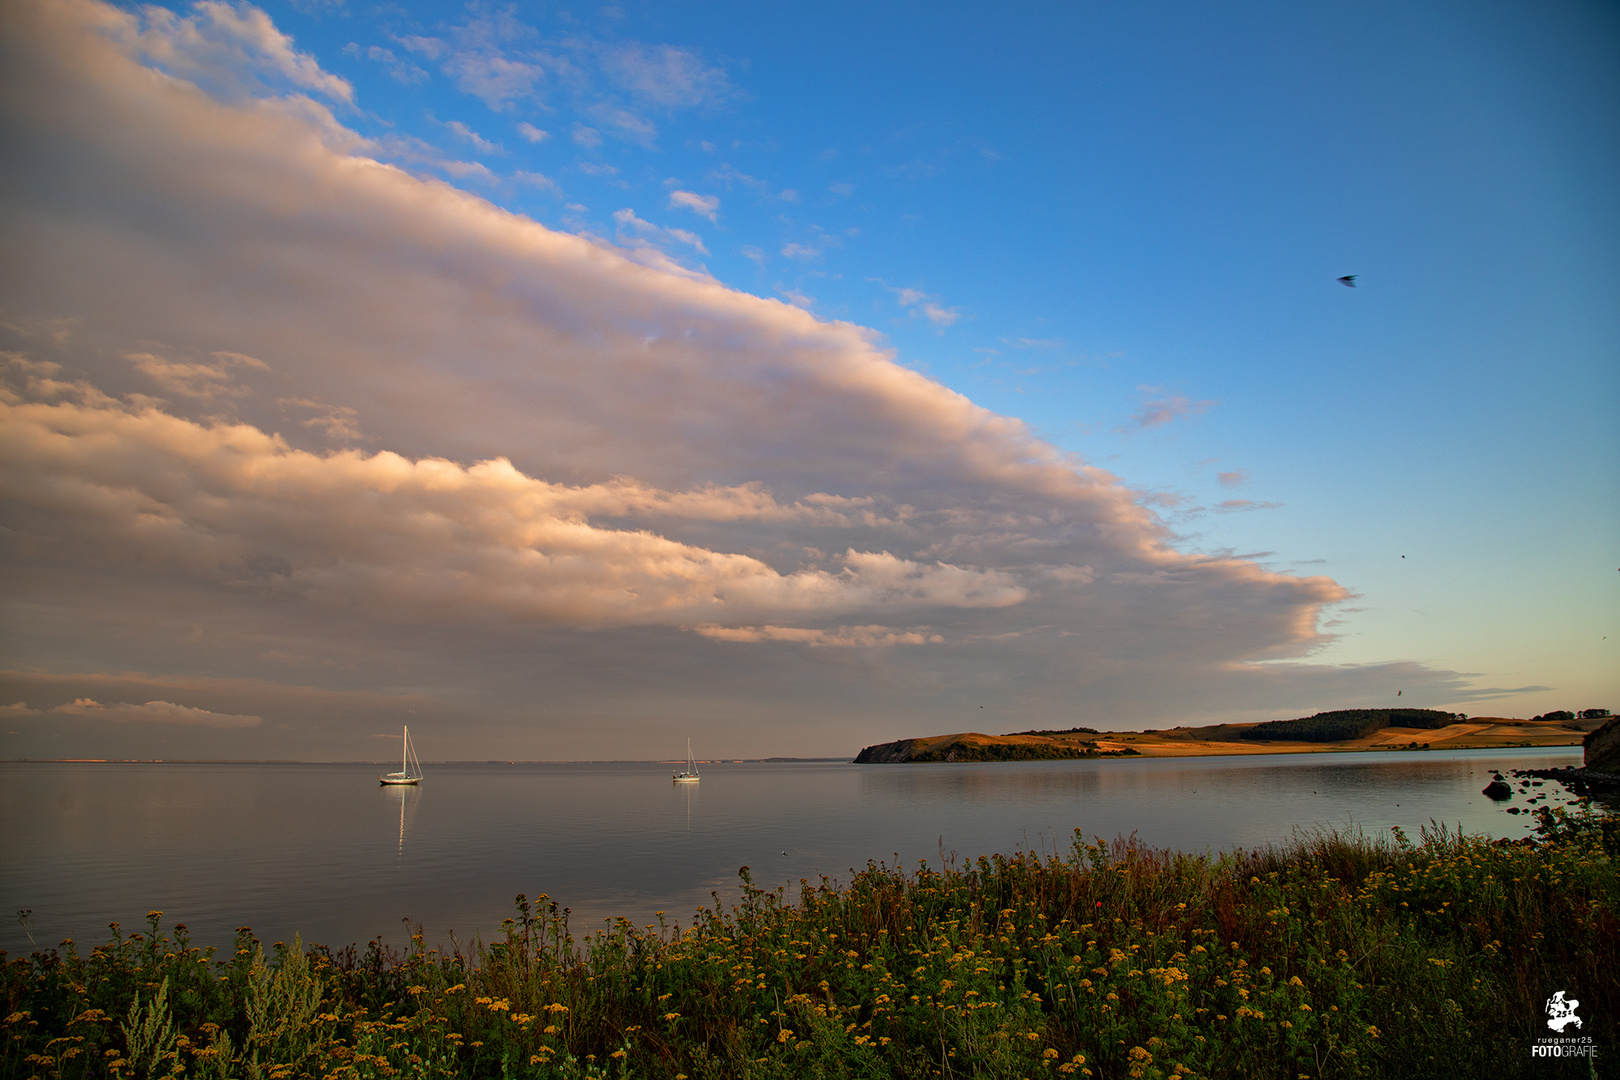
x=404, y=750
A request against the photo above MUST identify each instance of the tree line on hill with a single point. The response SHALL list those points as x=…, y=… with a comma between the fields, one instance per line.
x=1565, y=714
x=1339, y=725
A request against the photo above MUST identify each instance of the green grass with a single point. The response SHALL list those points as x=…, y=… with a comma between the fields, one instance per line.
x=1333, y=956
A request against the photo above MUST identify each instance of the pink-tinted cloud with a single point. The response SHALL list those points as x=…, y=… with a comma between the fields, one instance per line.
x=1159, y=408
x=556, y=434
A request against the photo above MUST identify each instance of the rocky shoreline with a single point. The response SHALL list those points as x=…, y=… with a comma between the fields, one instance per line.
x=1603, y=786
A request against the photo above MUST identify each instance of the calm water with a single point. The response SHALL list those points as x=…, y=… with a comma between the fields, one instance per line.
x=323, y=850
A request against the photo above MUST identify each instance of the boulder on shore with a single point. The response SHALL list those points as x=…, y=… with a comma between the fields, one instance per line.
x=1603, y=748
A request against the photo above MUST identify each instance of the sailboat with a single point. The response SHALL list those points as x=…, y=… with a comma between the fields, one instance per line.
x=690, y=776
x=410, y=770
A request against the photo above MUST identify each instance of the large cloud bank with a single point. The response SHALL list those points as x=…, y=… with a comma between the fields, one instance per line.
x=253, y=369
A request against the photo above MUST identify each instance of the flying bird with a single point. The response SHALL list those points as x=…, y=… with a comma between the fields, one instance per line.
x=1349, y=280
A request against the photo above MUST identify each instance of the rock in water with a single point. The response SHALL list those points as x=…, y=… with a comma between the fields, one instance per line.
x=1603, y=748
x=1497, y=790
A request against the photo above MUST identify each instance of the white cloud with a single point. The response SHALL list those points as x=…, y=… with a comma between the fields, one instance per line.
x=202, y=381
x=428, y=537
x=588, y=137
x=1159, y=408
x=462, y=131
x=532, y=133
x=1235, y=478
x=152, y=712
x=539, y=180
x=925, y=305
x=627, y=219
x=559, y=432
x=865, y=637
x=489, y=58
x=402, y=71
x=235, y=50
x=622, y=123
x=702, y=205
x=666, y=75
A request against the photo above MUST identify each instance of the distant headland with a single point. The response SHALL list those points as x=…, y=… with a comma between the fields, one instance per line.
x=1341, y=729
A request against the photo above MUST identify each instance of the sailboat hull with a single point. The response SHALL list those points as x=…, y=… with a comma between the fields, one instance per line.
x=410, y=770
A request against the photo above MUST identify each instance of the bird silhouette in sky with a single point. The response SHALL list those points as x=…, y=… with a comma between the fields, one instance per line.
x=1349, y=280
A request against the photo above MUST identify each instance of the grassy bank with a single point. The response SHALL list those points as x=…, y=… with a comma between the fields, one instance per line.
x=1334, y=956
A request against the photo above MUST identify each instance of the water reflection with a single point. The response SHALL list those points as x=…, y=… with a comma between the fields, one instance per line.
x=690, y=791
x=294, y=848
x=408, y=796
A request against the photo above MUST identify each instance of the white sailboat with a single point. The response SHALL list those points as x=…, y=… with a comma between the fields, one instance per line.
x=690, y=776
x=410, y=769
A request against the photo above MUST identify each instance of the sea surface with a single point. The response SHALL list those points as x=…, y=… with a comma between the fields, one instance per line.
x=324, y=851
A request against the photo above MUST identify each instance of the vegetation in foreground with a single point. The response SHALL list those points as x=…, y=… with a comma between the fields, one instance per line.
x=1334, y=956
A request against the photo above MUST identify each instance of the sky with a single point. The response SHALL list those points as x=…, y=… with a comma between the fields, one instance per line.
x=568, y=382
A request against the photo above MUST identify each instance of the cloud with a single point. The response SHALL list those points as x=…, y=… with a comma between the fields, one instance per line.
x=201, y=381
x=488, y=57
x=1235, y=478
x=152, y=712
x=337, y=422
x=666, y=75
x=800, y=251
x=623, y=124
x=1159, y=408
x=1236, y=506
x=927, y=306
x=863, y=637
x=539, y=180
x=588, y=137
x=702, y=205
x=426, y=536
x=401, y=71
x=572, y=450
x=467, y=134
x=236, y=51
x=532, y=133
x=627, y=219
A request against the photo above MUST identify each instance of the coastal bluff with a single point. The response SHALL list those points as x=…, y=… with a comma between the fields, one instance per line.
x=1602, y=748
x=1392, y=729
x=974, y=746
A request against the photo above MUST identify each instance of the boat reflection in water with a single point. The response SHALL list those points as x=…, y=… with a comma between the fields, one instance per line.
x=408, y=798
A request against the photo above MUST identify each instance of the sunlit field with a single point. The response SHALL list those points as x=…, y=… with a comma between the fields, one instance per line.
x=1336, y=955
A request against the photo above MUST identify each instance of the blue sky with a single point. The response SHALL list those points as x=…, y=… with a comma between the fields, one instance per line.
x=1119, y=224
